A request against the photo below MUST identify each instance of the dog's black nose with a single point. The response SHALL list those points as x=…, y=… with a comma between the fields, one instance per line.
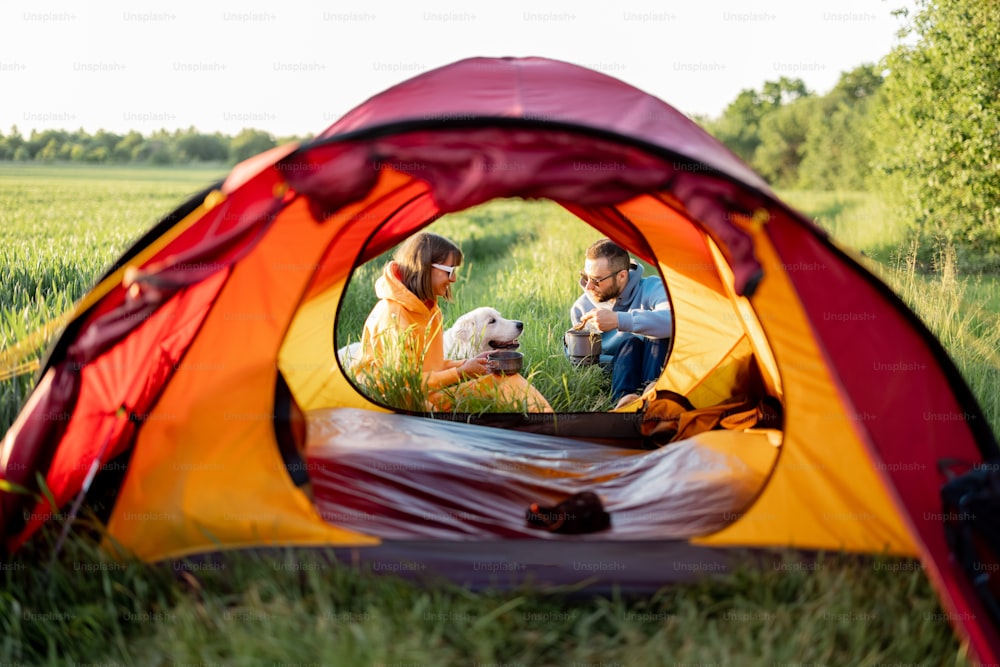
x=519, y=324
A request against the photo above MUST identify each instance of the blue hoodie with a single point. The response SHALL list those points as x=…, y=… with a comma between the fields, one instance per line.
x=643, y=310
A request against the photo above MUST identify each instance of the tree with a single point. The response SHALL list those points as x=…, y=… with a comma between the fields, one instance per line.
x=192, y=145
x=248, y=143
x=160, y=149
x=96, y=154
x=782, y=140
x=6, y=151
x=937, y=140
x=105, y=139
x=783, y=91
x=839, y=144
x=47, y=144
x=739, y=125
x=50, y=151
x=858, y=85
x=12, y=143
x=737, y=128
x=128, y=148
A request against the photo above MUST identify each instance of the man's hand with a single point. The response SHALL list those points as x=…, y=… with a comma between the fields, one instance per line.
x=600, y=319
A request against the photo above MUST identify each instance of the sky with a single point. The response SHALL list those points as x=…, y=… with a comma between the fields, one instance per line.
x=294, y=68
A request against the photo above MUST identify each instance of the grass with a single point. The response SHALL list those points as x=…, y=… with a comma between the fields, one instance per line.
x=984, y=290
x=296, y=610
x=60, y=226
x=953, y=307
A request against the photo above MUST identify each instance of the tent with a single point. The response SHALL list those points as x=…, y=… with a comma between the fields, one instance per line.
x=177, y=395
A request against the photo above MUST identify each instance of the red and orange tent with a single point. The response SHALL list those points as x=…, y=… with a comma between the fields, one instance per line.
x=172, y=388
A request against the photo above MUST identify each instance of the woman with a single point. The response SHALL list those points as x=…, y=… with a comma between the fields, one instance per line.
x=406, y=327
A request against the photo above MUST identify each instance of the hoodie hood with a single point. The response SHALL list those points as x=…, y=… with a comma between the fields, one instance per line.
x=624, y=300
x=390, y=287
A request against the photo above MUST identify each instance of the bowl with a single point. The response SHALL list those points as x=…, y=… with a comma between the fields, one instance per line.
x=505, y=362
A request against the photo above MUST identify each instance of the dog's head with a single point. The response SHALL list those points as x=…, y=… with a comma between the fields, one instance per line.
x=485, y=329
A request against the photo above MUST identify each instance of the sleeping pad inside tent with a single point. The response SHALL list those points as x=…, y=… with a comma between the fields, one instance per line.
x=203, y=365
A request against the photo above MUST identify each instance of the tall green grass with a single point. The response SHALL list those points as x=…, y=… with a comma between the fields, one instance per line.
x=293, y=608
x=59, y=228
x=953, y=308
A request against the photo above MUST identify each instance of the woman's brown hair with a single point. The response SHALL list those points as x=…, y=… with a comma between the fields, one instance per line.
x=415, y=256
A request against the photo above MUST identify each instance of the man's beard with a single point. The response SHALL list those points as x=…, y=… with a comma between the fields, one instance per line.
x=601, y=297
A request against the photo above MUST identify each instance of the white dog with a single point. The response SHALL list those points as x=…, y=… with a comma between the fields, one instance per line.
x=481, y=330
x=475, y=332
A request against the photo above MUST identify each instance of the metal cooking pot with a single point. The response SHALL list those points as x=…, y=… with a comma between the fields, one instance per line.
x=583, y=346
x=505, y=362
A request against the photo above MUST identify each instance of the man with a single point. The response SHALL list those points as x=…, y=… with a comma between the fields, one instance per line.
x=633, y=314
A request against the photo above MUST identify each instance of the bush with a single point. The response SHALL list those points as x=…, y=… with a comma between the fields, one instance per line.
x=936, y=140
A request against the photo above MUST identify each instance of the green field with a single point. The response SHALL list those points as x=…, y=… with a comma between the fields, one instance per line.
x=61, y=226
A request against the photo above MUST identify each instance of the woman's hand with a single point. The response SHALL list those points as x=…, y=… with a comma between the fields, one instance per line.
x=474, y=366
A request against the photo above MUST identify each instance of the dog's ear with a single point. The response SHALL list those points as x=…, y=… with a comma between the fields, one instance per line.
x=463, y=329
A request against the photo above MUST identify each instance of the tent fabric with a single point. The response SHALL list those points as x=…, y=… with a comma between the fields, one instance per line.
x=148, y=365
x=100, y=428
x=469, y=166
x=545, y=92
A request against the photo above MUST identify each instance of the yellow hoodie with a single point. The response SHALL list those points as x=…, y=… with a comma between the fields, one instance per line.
x=398, y=311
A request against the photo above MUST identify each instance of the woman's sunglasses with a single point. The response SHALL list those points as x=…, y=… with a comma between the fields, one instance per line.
x=452, y=271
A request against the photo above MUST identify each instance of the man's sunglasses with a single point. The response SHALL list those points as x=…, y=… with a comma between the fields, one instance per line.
x=596, y=282
x=452, y=271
